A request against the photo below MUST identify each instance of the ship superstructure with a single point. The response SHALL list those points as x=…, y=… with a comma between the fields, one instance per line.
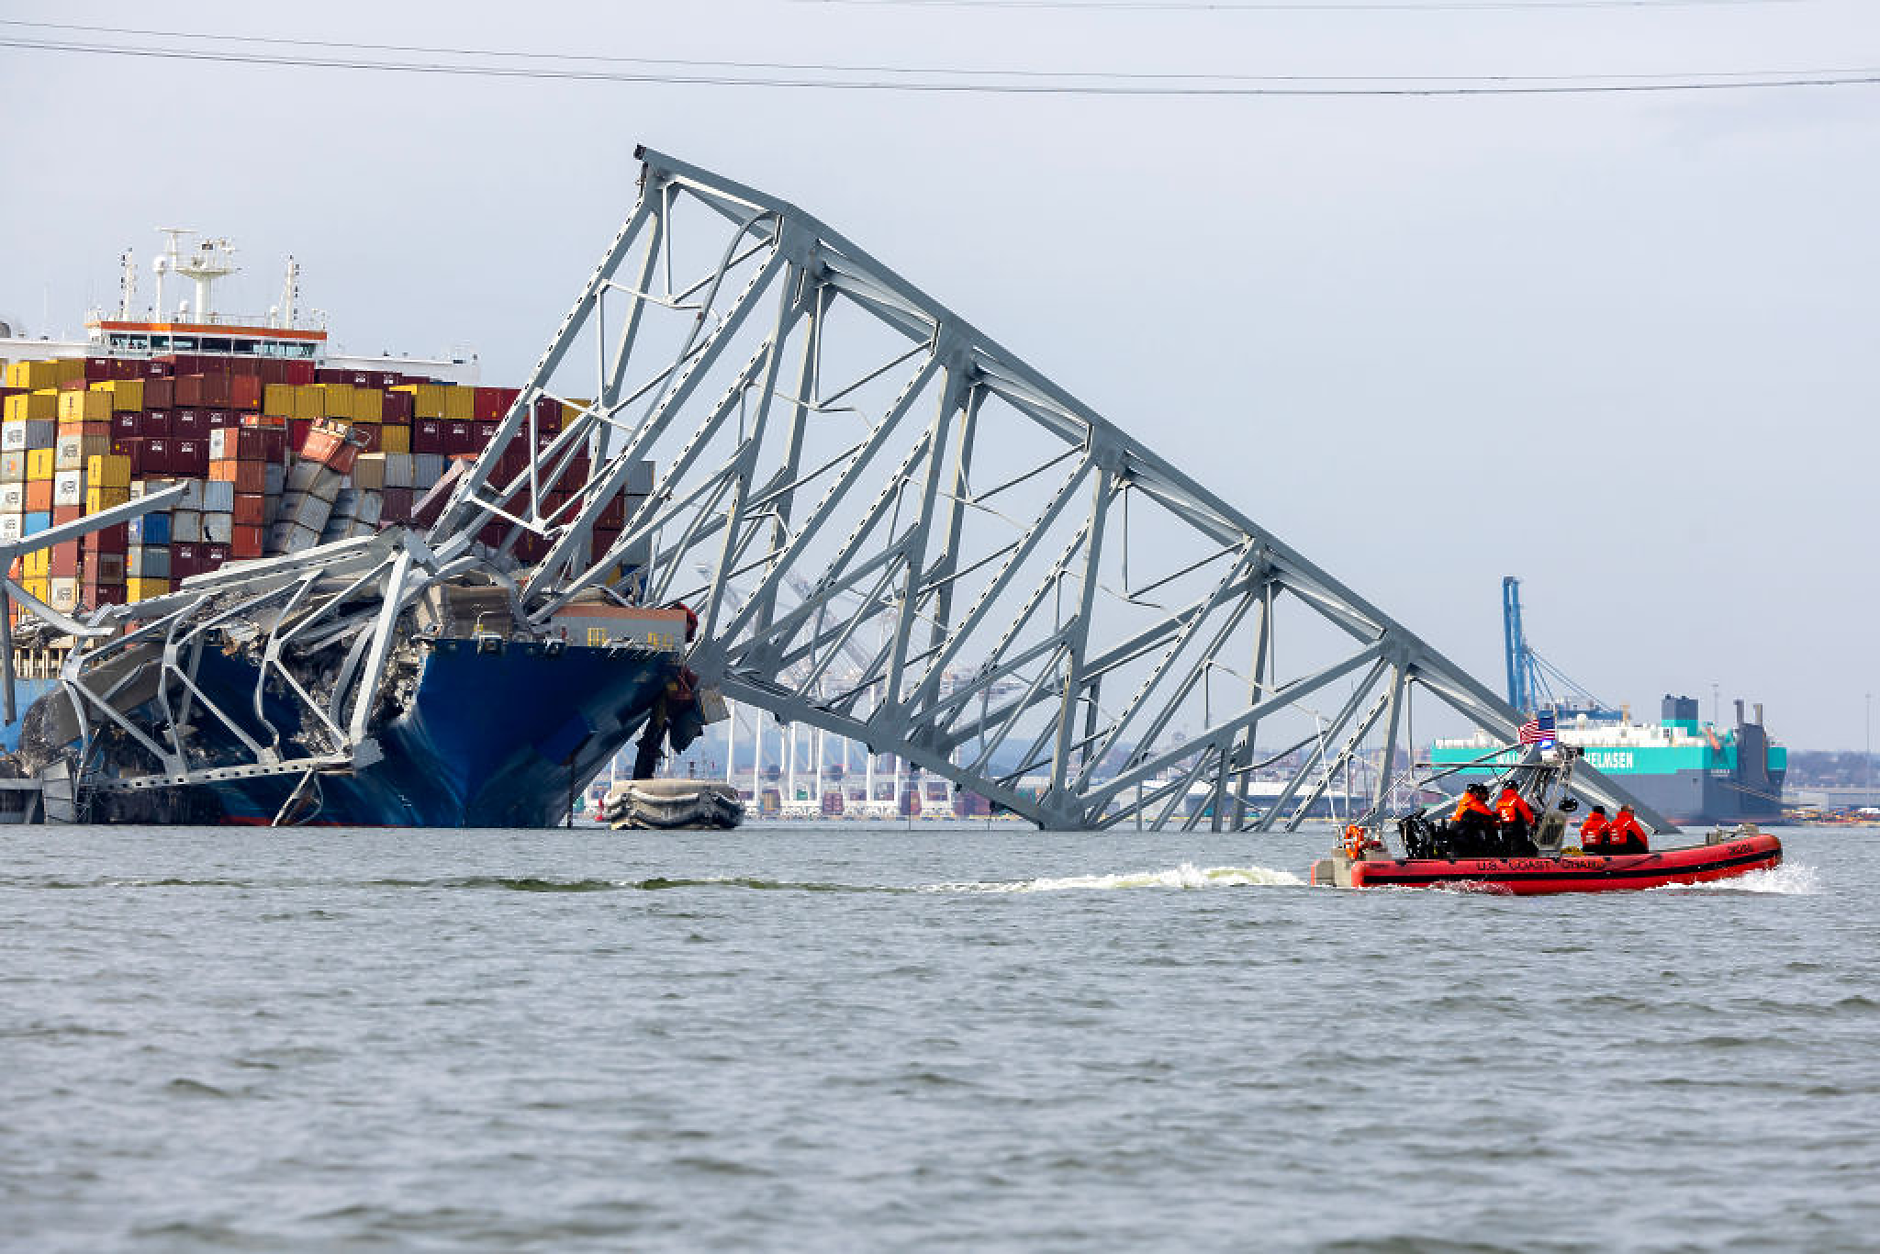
x=1690, y=771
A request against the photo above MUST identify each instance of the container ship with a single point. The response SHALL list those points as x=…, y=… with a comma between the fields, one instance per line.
x=1690, y=772
x=265, y=447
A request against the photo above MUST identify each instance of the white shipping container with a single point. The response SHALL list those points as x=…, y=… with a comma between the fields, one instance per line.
x=68, y=487
x=185, y=526
x=369, y=509
x=277, y=479
x=218, y=497
x=12, y=527
x=12, y=498
x=426, y=469
x=218, y=528
x=28, y=433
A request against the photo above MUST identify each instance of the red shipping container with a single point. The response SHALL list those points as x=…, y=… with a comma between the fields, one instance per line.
x=427, y=436
x=154, y=423
x=251, y=507
x=159, y=393
x=395, y=505
x=369, y=435
x=155, y=459
x=126, y=368
x=189, y=390
x=154, y=369
x=297, y=431
x=489, y=404
x=245, y=542
x=115, y=539
x=188, y=423
x=547, y=414
x=105, y=594
x=213, y=555
x=97, y=369
x=67, y=514
x=387, y=379
x=221, y=419
x=485, y=432
x=397, y=408
x=244, y=391
x=65, y=560
x=39, y=496
x=124, y=425
x=298, y=373
x=190, y=457
x=185, y=560
x=131, y=447
x=460, y=437
x=247, y=476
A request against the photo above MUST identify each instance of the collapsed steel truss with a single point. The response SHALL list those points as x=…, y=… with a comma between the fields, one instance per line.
x=1052, y=615
x=891, y=528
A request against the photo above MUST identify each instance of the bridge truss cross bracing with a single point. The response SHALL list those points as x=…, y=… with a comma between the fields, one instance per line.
x=896, y=530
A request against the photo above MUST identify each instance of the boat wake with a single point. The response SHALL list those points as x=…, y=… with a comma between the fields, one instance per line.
x=1793, y=879
x=1185, y=876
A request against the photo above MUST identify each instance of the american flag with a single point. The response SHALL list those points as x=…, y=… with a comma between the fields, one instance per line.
x=1538, y=730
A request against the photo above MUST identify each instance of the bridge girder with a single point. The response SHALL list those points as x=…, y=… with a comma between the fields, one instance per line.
x=845, y=468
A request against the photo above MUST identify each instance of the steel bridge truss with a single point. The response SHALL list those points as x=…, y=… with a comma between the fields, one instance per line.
x=894, y=529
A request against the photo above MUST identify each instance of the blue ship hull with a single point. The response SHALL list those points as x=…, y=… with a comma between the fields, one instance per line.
x=498, y=735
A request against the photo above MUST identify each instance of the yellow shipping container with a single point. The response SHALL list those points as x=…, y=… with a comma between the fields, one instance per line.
x=127, y=395
x=38, y=374
x=41, y=463
x=84, y=406
x=338, y=399
x=33, y=406
x=37, y=564
x=309, y=403
x=277, y=399
x=368, y=405
x=394, y=439
x=427, y=399
x=144, y=589
x=108, y=470
x=68, y=369
x=98, y=500
x=41, y=587
x=570, y=413
x=460, y=404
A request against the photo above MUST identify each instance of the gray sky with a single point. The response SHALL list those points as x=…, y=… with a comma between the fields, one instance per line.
x=1621, y=345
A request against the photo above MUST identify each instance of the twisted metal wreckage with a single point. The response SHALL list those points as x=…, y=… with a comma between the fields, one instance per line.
x=890, y=527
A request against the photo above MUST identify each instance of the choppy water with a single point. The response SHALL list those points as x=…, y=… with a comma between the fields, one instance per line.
x=853, y=1039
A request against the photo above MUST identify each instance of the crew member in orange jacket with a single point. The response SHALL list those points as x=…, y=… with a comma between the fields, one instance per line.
x=1594, y=829
x=1475, y=822
x=1517, y=823
x=1626, y=836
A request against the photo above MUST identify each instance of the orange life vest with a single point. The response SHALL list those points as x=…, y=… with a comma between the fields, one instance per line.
x=1470, y=802
x=1625, y=828
x=1593, y=831
x=1512, y=805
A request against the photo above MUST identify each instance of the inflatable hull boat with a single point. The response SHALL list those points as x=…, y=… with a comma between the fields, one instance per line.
x=1724, y=855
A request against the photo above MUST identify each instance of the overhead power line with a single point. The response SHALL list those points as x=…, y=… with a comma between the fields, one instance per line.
x=296, y=53
x=574, y=60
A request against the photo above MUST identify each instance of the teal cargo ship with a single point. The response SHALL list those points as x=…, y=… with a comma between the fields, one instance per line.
x=1690, y=772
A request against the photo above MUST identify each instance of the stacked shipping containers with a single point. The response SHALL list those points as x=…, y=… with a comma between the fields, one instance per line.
x=275, y=456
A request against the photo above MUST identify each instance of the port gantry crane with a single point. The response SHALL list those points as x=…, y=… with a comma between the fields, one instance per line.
x=859, y=472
